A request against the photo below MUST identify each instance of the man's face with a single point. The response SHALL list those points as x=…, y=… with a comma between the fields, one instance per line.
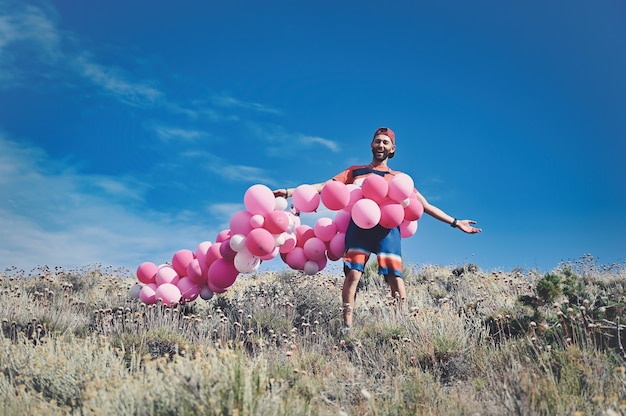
x=382, y=147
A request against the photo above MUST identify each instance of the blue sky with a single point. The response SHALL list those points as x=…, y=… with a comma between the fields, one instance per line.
x=132, y=129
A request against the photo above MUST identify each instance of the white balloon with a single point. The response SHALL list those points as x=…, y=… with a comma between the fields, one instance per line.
x=134, y=291
x=206, y=293
x=279, y=239
x=238, y=242
x=311, y=267
x=280, y=204
x=245, y=262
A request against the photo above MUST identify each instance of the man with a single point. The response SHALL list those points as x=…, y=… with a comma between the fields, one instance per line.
x=385, y=243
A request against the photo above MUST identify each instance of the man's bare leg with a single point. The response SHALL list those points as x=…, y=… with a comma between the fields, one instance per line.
x=348, y=294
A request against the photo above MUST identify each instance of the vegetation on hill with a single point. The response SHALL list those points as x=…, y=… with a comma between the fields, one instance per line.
x=468, y=342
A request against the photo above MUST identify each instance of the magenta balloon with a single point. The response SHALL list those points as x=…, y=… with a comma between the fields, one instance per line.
x=180, y=261
x=146, y=272
x=365, y=213
x=296, y=258
x=342, y=220
x=168, y=294
x=303, y=233
x=260, y=242
x=306, y=198
x=215, y=289
x=391, y=214
x=240, y=222
x=337, y=246
x=356, y=194
x=222, y=274
x=259, y=199
x=414, y=210
x=194, y=271
x=400, y=187
x=166, y=274
x=290, y=243
x=147, y=294
x=321, y=263
x=276, y=222
x=314, y=249
x=227, y=252
x=335, y=195
x=375, y=187
x=189, y=289
x=408, y=228
x=325, y=229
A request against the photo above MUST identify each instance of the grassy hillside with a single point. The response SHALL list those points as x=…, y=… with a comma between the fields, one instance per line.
x=468, y=342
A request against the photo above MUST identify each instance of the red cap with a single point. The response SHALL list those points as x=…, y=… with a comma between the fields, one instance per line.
x=387, y=132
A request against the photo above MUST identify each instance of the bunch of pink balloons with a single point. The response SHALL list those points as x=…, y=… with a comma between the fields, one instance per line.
x=266, y=229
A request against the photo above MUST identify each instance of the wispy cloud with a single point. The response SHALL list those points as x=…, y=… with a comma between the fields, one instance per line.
x=53, y=216
x=114, y=82
x=311, y=141
x=174, y=133
x=232, y=102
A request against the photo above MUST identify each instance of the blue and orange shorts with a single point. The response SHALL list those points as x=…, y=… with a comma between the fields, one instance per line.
x=384, y=242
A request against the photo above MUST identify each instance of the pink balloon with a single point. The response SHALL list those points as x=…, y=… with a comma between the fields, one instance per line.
x=391, y=214
x=271, y=255
x=303, y=233
x=168, y=294
x=189, y=289
x=289, y=244
x=240, y=222
x=306, y=198
x=314, y=249
x=201, y=251
x=366, y=213
x=222, y=274
x=260, y=242
x=227, y=251
x=408, y=228
x=342, y=220
x=259, y=199
x=296, y=258
x=400, y=187
x=180, y=261
x=146, y=272
x=213, y=254
x=337, y=246
x=222, y=235
x=375, y=187
x=276, y=222
x=166, y=274
x=335, y=195
x=194, y=271
x=414, y=210
x=147, y=294
x=356, y=194
x=325, y=229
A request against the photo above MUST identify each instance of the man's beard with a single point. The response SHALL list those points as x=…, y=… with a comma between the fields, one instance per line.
x=379, y=157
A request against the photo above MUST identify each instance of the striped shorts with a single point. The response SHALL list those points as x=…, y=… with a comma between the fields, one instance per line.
x=384, y=242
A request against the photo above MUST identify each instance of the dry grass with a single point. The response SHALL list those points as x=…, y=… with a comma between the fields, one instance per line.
x=468, y=342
